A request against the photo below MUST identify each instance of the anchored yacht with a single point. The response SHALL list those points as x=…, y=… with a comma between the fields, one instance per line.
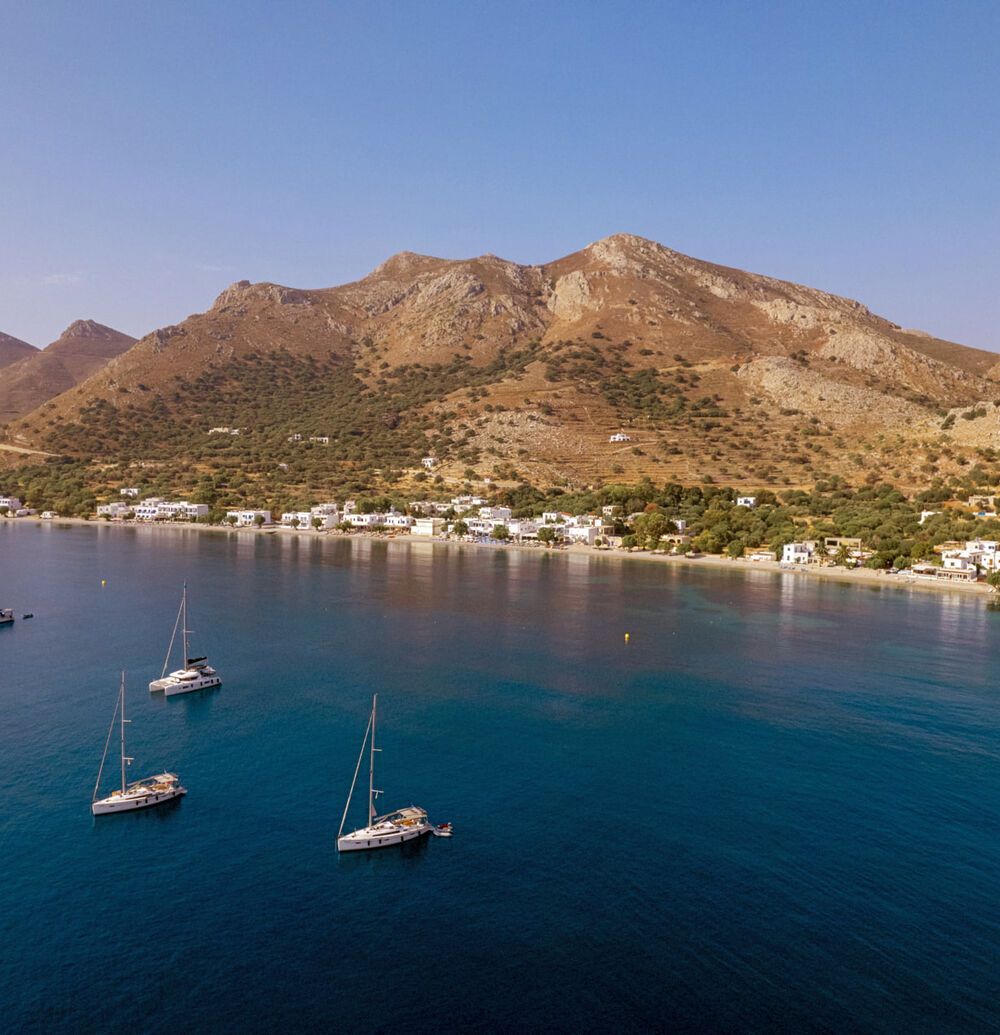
x=382, y=831
x=6, y=616
x=140, y=794
x=196, y=673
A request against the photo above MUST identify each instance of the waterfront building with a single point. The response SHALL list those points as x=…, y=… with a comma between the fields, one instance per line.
x=247, y=518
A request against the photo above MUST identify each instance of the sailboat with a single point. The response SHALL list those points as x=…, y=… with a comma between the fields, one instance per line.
x=391, y=829
x=196, y=673
x=141, y=794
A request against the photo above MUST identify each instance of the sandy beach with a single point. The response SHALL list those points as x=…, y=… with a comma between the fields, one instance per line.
x=861, y=577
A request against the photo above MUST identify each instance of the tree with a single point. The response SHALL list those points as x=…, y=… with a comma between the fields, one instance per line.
x=295, y=522
x=258, y=520
x=231, y=519
x=460, y=528
x=547, y=535
x=735, y=549
x=993, y=579
x=501, y=532
x=317, y=523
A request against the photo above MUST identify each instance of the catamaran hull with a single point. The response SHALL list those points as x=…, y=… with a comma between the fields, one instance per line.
x=107, y=806
x=171, y=687
x=352, y=844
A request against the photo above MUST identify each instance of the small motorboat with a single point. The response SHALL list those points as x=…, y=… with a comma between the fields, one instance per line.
x=442, y=830
x=30, y=614
x=6, y=616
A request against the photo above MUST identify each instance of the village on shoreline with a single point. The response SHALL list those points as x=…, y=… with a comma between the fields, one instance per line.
x=471, y=520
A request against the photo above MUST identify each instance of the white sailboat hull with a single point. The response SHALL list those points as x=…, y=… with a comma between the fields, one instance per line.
x=135, y=798
x=369, y=839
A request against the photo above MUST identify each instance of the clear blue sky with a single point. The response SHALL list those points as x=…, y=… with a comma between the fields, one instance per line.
x=154, y=152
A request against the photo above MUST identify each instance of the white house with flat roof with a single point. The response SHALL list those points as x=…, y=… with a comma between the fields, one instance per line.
x=799, y=553
x=12, y=503
x=746, y=501
x=114, y=510
x=248, y=518
x=427, y=526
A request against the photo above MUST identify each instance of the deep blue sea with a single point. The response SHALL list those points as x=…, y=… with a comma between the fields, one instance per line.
x=776, y=808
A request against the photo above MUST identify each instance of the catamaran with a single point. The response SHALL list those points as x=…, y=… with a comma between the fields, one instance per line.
x=382, y=831
x=141, y=794
x=196, y=673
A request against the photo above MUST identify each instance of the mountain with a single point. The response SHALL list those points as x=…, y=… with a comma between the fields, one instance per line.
x=12, y=349
x=525, y=372
x=80, y=351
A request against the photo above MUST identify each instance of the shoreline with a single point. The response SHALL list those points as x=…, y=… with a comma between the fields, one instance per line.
x=861, y=577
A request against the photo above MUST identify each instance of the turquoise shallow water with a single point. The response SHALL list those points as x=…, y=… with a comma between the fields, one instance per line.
x=775, y=808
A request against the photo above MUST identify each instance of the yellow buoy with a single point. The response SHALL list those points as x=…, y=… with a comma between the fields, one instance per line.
x=627, y=636
x=104, y=582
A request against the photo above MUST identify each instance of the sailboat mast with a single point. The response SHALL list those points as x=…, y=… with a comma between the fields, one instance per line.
x=184, y=606
x=121, y=692
x=371, y=767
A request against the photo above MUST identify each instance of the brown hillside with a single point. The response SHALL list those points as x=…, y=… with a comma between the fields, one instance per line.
x=713, y=372
x=12, y=349
x=81, y=350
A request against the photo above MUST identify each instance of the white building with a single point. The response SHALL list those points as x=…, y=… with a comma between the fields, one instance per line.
x=114, y=510
x=620, y=436
x=323, y=440
x=484, y=526
x=427, y=526
x=799, y=553
x=12, y=503
x=465, y=502
x=157, y=509
x=586, y=534
x=48, y=515
x=248, y=518
x=980, y=553
x=925, y=514
x=297, y=519
x=224, y=431
x=365, y=520
x=429, y=462
x=398, y=521
x=130, y=490
x=746, y=501
x=187, y=511
x=495, y=514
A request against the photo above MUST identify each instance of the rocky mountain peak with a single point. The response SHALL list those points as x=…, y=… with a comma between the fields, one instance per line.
x=88, y=329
